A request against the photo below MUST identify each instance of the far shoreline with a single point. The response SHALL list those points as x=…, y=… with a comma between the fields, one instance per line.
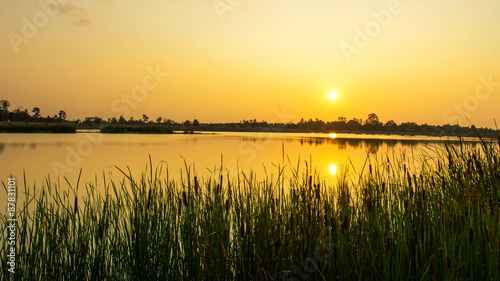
x=67, y=127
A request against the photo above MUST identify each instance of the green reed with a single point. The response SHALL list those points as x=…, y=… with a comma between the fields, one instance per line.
x=399, y=218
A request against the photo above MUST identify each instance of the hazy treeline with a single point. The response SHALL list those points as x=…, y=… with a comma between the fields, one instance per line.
x=342, y=124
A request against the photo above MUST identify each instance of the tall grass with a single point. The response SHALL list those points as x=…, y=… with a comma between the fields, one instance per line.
x=392, y=221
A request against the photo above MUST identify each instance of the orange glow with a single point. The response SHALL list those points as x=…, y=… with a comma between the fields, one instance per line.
x=245, y=63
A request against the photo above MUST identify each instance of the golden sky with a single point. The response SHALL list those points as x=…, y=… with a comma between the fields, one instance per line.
x=425, y=61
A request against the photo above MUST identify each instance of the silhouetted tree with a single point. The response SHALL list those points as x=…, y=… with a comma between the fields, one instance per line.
x=391, y=126
x=354, y=124
x=36, y=112
x=62, y=115
x=4, y=110
x=196, y=122
x=372, y=119
x=121, y=120
x=187, y=123
x=145, y=118
x=408, y=127
x=4, y=104
x=168, y=121
x=372, y=123
x=158, y=120
x=19, y=115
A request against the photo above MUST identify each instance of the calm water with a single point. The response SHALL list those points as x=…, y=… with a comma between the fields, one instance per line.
x=62, y=155
x=40, y=155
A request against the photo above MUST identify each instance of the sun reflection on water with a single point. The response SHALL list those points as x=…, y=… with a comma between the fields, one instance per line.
x=333, y=169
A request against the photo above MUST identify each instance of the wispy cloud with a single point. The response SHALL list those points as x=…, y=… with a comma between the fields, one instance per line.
x=79, y=14
x=83, y=22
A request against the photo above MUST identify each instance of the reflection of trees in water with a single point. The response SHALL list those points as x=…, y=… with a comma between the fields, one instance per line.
x=372, y=145
x=254, y=139
x=16, y=145
x=341, y=145
x=311, y=141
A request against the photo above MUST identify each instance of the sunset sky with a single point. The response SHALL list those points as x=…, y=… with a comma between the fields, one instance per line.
x=421, y=60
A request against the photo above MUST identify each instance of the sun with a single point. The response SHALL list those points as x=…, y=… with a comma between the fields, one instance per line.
x=333, y=95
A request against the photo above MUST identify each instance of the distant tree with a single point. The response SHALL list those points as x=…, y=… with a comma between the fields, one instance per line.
x=390, y=125
x=145, y=118
x=354, y=124
x=113, y=120
x=36, y=112
x=121, y=120
x=158, y=120
x=4, y=108
x=373, y=120
x=342, y=119
x=62, y=115
x=187, y=123
x=196, y=122
x=372, y=123
x=19, y=115
x=408, y=127
x=168, y=121
x=4, y=105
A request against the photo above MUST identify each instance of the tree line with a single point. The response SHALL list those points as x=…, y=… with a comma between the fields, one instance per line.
x=22, y=115
x=370, y=124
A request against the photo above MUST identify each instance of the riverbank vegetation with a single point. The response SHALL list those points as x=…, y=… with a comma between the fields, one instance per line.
x=124, y=129
x=397, y=219
x=370, y=125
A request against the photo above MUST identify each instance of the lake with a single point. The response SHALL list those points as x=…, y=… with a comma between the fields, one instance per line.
x=42, y=155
